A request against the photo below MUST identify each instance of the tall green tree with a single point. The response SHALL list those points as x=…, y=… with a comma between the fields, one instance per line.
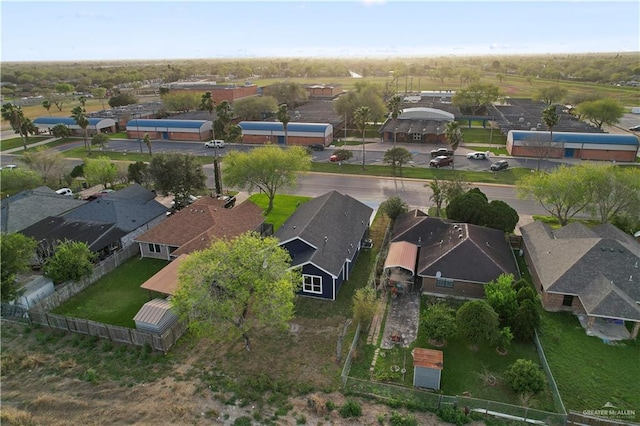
x=224, y=119
x=14, y=181
x=603, y=111
x=72, y=261
x=397, y=157
x=563, y=192
x=60, y=131
x=393, y=207
x=550, y=94
x=394, y=108
x=16, y=251
x=147, y=142
x=614, y=191
x=100, y=139
x=48, y=163
x=290, y=93
x=19, y=123
x=439, y=321
x=255, y=108
x=80, y=117
x=234, y=288
x=207, y=103
x=47, y=105
x=364, y=306
x=476, y=96
x=525, y=377
x=454, y=136
x=282, y=115
x=100, y=93
x=477, y=322
x=361, y=117
x=177, y=174
x=235, y=133
x=437, y=195
x=139, y=173
x=268, y=168
x=502, y=297
x=551, y=119
x=100, y=170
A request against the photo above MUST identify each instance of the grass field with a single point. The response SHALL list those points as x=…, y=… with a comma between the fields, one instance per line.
x=283, y=207
x=117, y=297
x=6, y=144
x=590, y=373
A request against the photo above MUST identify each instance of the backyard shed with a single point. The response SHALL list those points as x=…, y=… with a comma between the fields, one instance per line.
x=427, y=368
x=155, y=316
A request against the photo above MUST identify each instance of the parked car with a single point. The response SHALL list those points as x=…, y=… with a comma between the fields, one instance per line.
x=440, y=161
x=65, y=191
x=9, y=167
x=333, y=158
x=441, y=152
x=214, y=144
x=477, y=156
x=635, y=128
x=317, y=147
x=499, y=165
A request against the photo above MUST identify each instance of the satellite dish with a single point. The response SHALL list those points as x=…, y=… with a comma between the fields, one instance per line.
x=438, y=274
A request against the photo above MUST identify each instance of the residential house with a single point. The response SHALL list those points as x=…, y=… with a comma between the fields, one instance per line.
x=446, y=258
x=194, y=228
x=323, y=237
x=33, y=205
x=133, y=210
x=593, y=272
x=197, y=225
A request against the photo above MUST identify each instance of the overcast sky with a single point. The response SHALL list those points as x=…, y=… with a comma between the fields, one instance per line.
x=101, y=30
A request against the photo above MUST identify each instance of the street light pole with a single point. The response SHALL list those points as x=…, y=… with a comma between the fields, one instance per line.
x=138, y=131
x=395, y=132
x=437, y=135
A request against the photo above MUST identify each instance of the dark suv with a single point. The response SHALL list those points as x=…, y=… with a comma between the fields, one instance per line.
x=441, y=151
x=317, y=147
x=440, y=161
x=499, y=165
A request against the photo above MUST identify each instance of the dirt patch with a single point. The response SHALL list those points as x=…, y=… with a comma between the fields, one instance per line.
x=65, y=380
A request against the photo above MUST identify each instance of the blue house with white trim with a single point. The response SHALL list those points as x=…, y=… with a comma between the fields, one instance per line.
x=167, y=129
x=272, y=132
x=584, y=146
x=324, y=237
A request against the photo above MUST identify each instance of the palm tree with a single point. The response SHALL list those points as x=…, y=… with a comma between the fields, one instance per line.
x=224, y=113
x=80, y=117
x=283, y=116
x=454, y=136
x=47, y=105
x=361, y=116
x=19, y=123
x=83, y=101
x=207, y=103
x=147, y=141
x=551, y=119
x=393, y=106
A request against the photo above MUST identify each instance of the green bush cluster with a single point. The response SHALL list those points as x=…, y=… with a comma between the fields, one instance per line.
x=351, y=409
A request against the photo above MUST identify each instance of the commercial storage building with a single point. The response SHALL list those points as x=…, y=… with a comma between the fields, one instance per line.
x=272, y=132
x=182, y=130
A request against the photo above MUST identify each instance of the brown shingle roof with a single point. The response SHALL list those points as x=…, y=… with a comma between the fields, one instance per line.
x=428, y=358
x=194, y=227
x=165, y=281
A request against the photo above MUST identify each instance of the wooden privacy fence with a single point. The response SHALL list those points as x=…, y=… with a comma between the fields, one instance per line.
x=158, y=342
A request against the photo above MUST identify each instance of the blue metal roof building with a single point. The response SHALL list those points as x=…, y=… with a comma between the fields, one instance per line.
x=587, y=146
x=95, y=124
x=262, y=132
x=187, y=130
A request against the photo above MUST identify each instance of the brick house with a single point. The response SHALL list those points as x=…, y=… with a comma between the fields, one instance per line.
x=593, y=272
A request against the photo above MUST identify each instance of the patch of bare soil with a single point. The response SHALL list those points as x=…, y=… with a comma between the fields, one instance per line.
x=54, y=381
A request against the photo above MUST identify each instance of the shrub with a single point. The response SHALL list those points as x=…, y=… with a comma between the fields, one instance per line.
x=451, y=415
x=351, y=409
x=398, y=419
x=524, y=376
x=343, y=154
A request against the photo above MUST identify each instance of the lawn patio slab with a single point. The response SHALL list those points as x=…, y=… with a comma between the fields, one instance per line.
x=402, y=320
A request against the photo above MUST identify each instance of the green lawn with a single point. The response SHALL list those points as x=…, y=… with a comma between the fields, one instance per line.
x=480, y=135
x=283, y=207
x=588, y=372
x=6, y=144
x=117, y=297
x=509, y=176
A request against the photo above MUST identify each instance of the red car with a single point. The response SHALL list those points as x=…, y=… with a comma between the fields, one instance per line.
x=333, y=158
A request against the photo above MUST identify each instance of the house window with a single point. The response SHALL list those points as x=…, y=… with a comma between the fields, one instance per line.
x=154, y=248
x=567, y=300
x=312, y=284
x=417, y=136
x=444, y=282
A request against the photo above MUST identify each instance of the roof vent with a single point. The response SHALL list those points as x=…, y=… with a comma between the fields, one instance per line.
x=459, y=235
x=326, y=238
x=612, y=249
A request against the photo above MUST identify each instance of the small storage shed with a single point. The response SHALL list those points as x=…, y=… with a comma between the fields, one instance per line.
x=427, y=368
x=167, y=129
x=272, y=132
x=155, y=316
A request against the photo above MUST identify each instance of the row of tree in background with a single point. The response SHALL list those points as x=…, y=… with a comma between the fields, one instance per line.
x=612, y=68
